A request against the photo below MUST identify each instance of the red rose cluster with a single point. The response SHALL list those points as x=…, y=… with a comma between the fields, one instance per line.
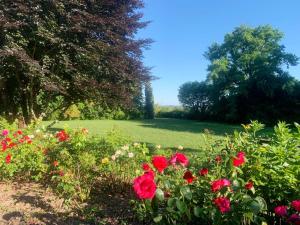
x=223, y=204
x=179, y=158
x=62, y=136
x=239, y=159
x=217, y=185
x=282, y=211
x=7, y=142
x=145, y=186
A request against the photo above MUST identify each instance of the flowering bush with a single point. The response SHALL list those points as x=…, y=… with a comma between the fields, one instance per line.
x=252, y=179
x=246, y=183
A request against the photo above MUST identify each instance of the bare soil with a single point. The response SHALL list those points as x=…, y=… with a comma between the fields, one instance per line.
x=33, y=204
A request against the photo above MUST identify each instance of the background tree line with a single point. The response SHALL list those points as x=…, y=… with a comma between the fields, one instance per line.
x=247, y=79
x=54, y=54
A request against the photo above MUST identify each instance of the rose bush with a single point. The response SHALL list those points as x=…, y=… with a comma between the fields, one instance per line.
x=250, y=181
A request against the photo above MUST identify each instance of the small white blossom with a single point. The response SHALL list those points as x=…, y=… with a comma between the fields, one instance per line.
x=113, y=157
x=31, y=136
x=158, y=146
x=130, y=154
x=118, y=152
x=125, y=148
x=180, y=147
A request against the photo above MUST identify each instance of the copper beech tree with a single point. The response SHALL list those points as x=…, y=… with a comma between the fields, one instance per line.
x=78, y=50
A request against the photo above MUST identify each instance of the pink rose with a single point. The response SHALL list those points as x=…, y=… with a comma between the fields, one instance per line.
x=144, y=186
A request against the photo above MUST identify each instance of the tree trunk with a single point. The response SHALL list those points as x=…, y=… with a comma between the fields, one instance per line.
x=24, y=107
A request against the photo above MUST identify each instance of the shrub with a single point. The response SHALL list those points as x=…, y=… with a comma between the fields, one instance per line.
x=243, y=184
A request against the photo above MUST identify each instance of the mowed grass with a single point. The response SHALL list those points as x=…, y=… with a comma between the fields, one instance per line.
x=169, y=133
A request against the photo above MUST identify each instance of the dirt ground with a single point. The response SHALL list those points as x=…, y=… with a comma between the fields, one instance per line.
x=33, y=204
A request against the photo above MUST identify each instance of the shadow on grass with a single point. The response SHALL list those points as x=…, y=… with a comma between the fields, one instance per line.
x=190, y=126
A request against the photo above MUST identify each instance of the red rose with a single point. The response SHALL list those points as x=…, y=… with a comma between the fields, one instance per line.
x=219, y=184
x=249, y=185
x=61, y=173
x=218, y=158
x=180, y=158
x=5, y=132
x=239, y=159
x=11, y=145
x=62, y=136
x=203, y=172
x=19, y=132
x=188, y=176
x=150, y=173
x=223, y=204
x=294, y=219
x=55, y=163
x=160, y=163
x=145, y=166
x=4, y=146
x=167, y=194
x=296, y=205
x=281, y=210
x=144, y=186
x=8, y=158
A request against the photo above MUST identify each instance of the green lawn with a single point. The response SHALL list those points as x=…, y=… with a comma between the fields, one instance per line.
x=169, y=133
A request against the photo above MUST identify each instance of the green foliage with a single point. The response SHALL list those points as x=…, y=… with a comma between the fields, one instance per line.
x=246, y=79
x=74, y=51
x=271, y=163
x=194, y=96
x=72, y=112
x=176, y=112
x=149, y=101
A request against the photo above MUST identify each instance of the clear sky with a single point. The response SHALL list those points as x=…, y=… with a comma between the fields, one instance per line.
x=183, y=30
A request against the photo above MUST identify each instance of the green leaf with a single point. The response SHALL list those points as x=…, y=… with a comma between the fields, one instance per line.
x=181, y=206
x=171, y=202
x=157, y=219
x=159, y=194
x=255, y=207
x=261, y=202
x=197, y=211
x=186, y=192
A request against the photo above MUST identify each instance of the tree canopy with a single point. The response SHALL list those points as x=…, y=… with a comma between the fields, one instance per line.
x=80, y=50
x=247, y=77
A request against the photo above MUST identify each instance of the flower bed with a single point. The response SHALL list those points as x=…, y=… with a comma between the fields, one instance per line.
x=251, y=180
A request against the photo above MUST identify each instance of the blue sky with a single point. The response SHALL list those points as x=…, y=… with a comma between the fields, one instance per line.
x=184, y=29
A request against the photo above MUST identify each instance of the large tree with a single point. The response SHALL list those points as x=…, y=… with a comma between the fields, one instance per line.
x=194, y=96
x=248, y=76
x=80, y=50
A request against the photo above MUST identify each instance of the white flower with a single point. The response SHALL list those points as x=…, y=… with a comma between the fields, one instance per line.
x=135, y=144
x=118, y=152
x=180, y=147
x=158, y=146
x=31, y=136
x=130, y=154
x=38, y=131
x=113, y=157
x=125, y=148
